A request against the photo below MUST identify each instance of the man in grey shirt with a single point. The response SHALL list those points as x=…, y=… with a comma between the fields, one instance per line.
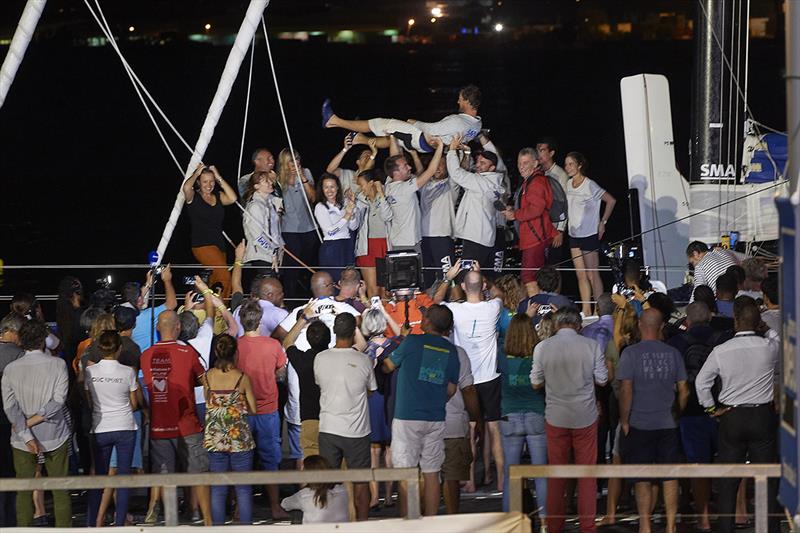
x=34, y=391
x=568, y=366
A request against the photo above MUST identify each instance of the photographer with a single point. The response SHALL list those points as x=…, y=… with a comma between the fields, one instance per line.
x=549, y=298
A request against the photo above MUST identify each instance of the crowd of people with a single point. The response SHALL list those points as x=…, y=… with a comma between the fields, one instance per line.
x=461, y=376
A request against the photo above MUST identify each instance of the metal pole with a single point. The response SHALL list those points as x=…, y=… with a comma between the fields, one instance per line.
x=762, y=508
x=793, y=91
x=169, y=496
x=19, y=44
x=413, y=499
x=515, y=492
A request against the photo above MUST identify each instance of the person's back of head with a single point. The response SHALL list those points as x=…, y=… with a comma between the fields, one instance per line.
x=271, y=290
x=344, y=327
x=88, y=318
x=317, y=462
x=24, y=304
x=650, y=323
x=250, y=316
x=438, y=320
x=349, y=281
x=255, y=285
x=32, y=335
x=225, y=347
x=738, y=274
x=605, y=305
x=373, y=323
x=108, y=343
x=663, y=303
x=125, y=318
x=703, y=293
x=321, y=284
x=771, y=291
x=168, y=325
x=727, y=287
x=473, y=283
x=521, y=336
x=698, y=247
x=131, y=292
x=318, y=336
x=548, y=279
x=755, y=270
x=746, y=314
x=567, y=317
x=189, y=326
x=11, y=324
x=104, y=322
x=697, y=314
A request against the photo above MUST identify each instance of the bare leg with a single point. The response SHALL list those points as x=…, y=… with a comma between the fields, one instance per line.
x=275, y=503
x=155, y=496
x=204, y=502
x=741, y=503
x=592, y=261
x=371, y=280
x=497, y=452
x=105, y=501
x=375, y=462
x=361, y=493
x=644, y=495
x=452, y=496
x=361, y=126
x=614, y=490
x=584, y=286
x=470, y=485
x=701, y=488
x=671, y=503
x=433, y=493
x=387, y=459
x=381, y=143
x=486, y=455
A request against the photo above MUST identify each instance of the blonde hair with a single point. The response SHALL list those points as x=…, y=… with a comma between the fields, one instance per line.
x=102, y=323
x=284, y=160
x=521, y=337
x=628, y=327
x=512, y=291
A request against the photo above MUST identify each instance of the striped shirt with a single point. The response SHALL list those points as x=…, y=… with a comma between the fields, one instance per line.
x=712, y=266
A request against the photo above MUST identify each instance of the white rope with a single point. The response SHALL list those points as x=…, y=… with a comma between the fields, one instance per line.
x=246, y=108
x=19, y=44
x=232, y=65
x=297, y=168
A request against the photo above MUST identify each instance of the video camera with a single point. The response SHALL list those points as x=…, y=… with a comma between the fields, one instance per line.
x=400, y=271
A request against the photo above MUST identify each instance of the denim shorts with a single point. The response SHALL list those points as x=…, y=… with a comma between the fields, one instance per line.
x=266, y=429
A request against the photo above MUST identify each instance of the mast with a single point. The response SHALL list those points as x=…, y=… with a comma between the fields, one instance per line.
x=793, y=91
x=19, y=44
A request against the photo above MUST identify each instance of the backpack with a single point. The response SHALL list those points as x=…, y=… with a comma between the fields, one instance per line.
x=558, y=209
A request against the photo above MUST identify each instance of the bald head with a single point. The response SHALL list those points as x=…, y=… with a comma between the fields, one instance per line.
x=271, y=290
x=473, y=282
x=697, y=314
x=169, y=325
x=650, y=323
x=321, y=284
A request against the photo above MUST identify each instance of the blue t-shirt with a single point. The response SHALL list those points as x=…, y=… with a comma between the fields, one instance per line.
x=141, y=332
x=544, y=298
x=517, y=395
x=425, y=365
x=654, y=367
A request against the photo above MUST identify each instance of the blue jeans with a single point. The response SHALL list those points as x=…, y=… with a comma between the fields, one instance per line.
x=124, y=442
x=231, y=462
x=266, y=430
x=515, y=432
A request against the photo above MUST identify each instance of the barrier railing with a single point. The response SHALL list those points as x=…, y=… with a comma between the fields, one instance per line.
x=170, y=483
x=760, y=472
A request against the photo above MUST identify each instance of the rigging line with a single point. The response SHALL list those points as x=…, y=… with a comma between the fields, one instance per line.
x=246, y=106
x=671, y=222
x=128, y=70
x=105, y=28
x=297, y=168
x=730, y=68
x=772, y=130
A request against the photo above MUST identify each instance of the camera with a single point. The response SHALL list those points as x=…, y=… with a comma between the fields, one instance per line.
x=544, y=309
x=400, y=270
x=467, y=264
x=375, y=302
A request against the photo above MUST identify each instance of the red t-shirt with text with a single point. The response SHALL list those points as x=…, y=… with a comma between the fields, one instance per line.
x=170, y=374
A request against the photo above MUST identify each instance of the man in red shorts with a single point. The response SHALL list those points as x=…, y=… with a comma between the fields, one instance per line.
x=531, y=212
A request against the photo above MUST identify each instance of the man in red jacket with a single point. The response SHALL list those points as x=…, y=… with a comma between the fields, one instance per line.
x=532, y=204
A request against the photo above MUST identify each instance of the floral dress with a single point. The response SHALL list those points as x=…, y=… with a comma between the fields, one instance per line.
x=227, y=430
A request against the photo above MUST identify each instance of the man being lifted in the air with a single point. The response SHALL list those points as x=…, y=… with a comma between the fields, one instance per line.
x=413, y=134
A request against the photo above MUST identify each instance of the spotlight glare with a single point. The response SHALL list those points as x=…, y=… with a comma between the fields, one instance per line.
x=131, y=28
x=436, y=11
x=207, y=27
x=498, y=27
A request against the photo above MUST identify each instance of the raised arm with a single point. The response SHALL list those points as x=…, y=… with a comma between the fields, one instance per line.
x=426, y=176
x=188, y=186
x=228, y=195
x=171, y=302
x=418, y=168
x=212, y=303
x=236, y=273
x=334, y=167
x=302, y=321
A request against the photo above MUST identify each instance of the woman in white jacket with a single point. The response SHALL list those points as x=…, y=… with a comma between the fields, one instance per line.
x=262, y=223
x=374, y=213
x=337, y=218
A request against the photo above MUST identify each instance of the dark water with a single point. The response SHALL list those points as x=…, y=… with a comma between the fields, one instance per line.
x=86, y=179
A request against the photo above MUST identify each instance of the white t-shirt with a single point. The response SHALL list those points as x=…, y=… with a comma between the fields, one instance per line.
x=437, y=205
x=336, y=509
x=110, y=384
x=583, y=208
x=475, y=330
x=202, y=343
x=344, y=376
x=404, y=229
x=468, y=126
x=271, y=316
x=456, y=423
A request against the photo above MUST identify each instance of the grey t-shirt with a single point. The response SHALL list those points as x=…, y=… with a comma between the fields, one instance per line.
x=654, y=367
x=404, y=230
x=437, y=204
x=297, y=218
x=456, y=422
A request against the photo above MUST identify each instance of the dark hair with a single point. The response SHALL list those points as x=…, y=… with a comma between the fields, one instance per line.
x=255, y=285
x=738, y=272
x=633, y=269
x=32, y=335
x=703, y=293
x=746, y=313
x=258, y=151
x=250, y=187
x=125, y=318
x=189, y=326
x=88, y=318
x=551, y=143
x=344, y=326
x=321, y=196
x=224, y=349
x=727, y=285
x=440, y=318
x=770, y=289
x=317, y=462
x=206, y=170
x=663, y=303
x=131, y=291
x=580, y=159
x=250, y=315
x=24, y=303
x=390, y=165
x=696, y=246
x=65, y=312
x=108, y=342
x=548, y=279
x=370, y=175
x=521, y=336
x=472, y=94
x=318, y=336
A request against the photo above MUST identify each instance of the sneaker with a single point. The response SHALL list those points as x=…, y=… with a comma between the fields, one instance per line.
x=39, y=521
x=152, y=515
x=327, y=112
x=196, y=516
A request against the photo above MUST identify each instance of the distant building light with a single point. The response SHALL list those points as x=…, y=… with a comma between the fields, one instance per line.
x=316, y=33
x=198, y=37
x=464, y=31
x=389, y=33
x=498, y=27
x=433, y=19
x=131, y=28
x=207, y=27
x=436, y=11
x=411, y=22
